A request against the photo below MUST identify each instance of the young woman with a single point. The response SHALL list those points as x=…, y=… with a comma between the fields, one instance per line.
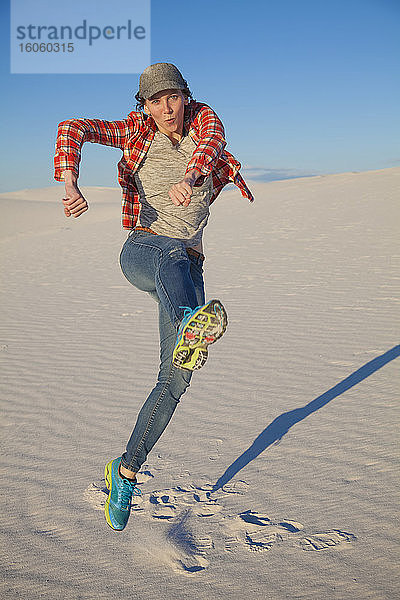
x=173, y=167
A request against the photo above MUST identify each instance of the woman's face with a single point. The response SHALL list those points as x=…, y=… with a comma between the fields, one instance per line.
x=167, y=109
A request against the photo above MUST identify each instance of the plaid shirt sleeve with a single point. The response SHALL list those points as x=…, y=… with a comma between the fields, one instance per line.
x=211, y=141
x=72, y=133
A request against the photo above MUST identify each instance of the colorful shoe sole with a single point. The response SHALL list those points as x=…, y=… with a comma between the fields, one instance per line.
x=107, y=477
x=203, y=328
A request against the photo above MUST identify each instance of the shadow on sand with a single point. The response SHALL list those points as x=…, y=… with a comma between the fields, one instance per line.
x=281, y=425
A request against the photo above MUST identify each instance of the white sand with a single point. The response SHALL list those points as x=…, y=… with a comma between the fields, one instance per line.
x=308, y=276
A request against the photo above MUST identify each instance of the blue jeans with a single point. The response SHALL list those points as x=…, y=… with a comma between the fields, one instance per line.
x=162, y=267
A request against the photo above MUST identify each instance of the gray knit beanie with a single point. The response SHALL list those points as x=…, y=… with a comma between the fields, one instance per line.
x=158, y=77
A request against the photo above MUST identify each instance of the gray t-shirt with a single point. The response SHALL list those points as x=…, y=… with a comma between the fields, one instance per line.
x=164, y=165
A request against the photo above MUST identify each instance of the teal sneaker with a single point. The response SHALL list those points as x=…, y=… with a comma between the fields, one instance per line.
x=121, y=490
x=200, y=327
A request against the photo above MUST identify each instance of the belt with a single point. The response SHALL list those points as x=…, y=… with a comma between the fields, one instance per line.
x=139, y=228
x=198, y=255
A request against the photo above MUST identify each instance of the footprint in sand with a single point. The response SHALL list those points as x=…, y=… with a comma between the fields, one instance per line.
x=215, y=449
x=187, y=535
x=262, y=540
x=256, y=531
x=166, y=504
x=326, y=540
x=194, y=515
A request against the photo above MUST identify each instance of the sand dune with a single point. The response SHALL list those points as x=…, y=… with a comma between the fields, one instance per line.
x=278, y=474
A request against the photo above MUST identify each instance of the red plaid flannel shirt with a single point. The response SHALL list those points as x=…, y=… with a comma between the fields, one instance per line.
x=134, y=135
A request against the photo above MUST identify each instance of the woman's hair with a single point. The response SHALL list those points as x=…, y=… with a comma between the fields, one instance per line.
x=140, y=101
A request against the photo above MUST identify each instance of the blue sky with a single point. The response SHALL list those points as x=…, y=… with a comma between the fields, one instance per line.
x=302, y=87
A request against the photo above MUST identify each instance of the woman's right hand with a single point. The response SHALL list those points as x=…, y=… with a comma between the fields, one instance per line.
x=74, y=203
